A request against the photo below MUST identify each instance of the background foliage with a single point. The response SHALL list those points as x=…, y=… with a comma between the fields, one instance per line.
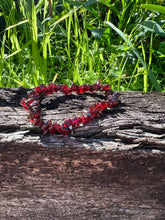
x=122, y=42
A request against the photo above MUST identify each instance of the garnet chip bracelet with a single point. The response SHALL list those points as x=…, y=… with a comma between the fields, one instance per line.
x=32, y=105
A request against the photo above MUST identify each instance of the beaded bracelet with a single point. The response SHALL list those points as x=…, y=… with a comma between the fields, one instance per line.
x=32, y=105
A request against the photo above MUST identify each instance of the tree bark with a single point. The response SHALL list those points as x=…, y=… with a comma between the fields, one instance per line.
x=112, y=168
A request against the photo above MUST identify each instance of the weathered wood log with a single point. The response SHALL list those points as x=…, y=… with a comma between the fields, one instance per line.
x=137, y=122
x=113, y=168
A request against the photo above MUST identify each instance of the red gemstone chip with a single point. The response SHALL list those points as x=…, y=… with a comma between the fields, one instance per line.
x=32, y=104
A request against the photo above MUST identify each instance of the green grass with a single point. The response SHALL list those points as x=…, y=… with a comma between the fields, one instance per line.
x=120, y=42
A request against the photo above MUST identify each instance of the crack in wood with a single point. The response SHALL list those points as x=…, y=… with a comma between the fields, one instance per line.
x=139, y=120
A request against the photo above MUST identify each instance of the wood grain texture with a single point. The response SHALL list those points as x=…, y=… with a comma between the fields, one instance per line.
x=137, y=122
x=50, y=183
x=113, y=168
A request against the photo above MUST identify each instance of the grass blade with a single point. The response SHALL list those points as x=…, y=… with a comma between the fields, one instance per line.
x=138, y=55
x=153, y=7
x=15, y=25
x=64, y=17
x=153, y=27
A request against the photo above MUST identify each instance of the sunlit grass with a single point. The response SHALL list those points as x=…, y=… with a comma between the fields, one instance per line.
x=119, y=42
